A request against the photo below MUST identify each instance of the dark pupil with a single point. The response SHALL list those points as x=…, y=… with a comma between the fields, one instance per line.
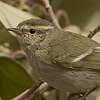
x=32, y=31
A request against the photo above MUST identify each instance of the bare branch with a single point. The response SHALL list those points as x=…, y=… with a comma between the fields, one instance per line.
x=51, y=13
x=60, y=13
x=43, y=87
x=31, y=93
x=21, y=95
x=92, y=33
x=32, y=89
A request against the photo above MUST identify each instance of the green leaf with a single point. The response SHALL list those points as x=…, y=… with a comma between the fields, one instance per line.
x=11, y=16
x=13, y=78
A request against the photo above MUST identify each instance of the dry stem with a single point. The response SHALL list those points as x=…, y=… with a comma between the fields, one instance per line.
x=92, y=33
x=63, y=13
x=51, y=13
x=43, y=87
x=31, y=93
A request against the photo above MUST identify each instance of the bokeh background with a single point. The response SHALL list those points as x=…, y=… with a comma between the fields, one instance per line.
x=16, y=75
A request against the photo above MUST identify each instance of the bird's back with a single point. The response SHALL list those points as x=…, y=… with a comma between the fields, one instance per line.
x=69, y=49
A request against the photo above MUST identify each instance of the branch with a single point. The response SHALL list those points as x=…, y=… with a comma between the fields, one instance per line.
x=51, y=13
x=92, y=33
x=31, y=93
x=43, y=87
x=60, y=13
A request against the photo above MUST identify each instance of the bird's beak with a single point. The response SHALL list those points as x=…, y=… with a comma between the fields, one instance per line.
x=15, y=30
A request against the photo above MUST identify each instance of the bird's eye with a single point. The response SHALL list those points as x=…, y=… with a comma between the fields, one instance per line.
x=32, y=31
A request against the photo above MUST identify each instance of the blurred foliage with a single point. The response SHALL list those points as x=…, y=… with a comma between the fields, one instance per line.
x=85, y=14
x=17, y=76
x=13, y=78
x=82, y=13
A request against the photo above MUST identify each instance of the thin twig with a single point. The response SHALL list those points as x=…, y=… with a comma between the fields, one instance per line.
x=43, y=87
x=92, y=33
x=88, y=92
x=60, y=13
x=51, y=13
x=32, y=89
x=17, y=52
x=21, y=95
x=38, y=88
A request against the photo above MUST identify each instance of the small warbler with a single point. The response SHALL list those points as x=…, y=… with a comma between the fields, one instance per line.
x=65, y=60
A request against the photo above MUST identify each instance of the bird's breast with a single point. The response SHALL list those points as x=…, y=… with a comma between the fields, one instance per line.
x=74, y=81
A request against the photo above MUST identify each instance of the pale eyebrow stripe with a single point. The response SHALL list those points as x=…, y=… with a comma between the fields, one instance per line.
x=38, y=27
x=43, y=27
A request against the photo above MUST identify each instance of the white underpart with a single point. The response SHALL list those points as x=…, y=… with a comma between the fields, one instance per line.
x=81, y=56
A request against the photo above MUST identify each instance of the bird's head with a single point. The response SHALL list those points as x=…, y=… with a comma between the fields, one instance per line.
x=32, y=31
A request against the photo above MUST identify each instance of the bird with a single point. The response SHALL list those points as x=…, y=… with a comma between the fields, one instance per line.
x=65, y=60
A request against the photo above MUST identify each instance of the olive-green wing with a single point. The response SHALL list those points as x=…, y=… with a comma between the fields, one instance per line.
x=75, y=51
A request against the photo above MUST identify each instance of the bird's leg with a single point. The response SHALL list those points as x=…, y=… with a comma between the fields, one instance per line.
x=87, y=93
x=75, y=96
